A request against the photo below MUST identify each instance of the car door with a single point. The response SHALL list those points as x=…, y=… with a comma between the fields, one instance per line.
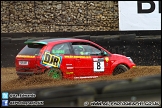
x=89, y=64
x=101, y=63
x=67, y=63
x=82, y=62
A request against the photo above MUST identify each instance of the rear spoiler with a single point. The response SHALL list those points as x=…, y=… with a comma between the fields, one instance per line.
x=35, y=42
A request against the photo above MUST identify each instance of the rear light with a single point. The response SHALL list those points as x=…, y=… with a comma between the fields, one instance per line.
x=42, y=50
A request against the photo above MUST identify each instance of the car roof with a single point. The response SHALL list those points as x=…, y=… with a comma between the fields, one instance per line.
x=49, y=41
x=58, y=39
x=54, y=39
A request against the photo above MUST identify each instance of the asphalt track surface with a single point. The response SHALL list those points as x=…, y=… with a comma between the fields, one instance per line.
x=10, y=81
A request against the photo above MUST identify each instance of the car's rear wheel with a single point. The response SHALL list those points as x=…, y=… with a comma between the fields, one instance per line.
x=54, y=73
x=120, y=69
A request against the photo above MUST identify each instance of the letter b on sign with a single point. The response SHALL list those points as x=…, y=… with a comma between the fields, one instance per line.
x=148, y=10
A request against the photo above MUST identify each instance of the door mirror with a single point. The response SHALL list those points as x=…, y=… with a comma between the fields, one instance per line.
x=103, y=53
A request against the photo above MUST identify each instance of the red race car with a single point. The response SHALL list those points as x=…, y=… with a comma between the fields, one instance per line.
x=69, y=58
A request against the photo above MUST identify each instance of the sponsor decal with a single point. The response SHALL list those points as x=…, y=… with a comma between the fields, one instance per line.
x=69, y=72
x=98, y=65
x=58, y=51
x=77, y=56
x=25, y=56
x=106, y=59
x=51, y=60
x=95, y=59
x=85, y=77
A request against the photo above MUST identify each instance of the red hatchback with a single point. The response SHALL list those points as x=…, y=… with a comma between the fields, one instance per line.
x=69, y=58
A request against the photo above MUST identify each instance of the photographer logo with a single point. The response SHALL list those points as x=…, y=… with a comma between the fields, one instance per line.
x=5, y=95
x=4, y=102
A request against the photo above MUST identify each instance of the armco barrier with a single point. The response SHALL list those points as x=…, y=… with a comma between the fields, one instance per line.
x=144, y=50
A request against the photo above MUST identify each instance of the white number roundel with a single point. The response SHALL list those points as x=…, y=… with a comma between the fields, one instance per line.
x=98, y=66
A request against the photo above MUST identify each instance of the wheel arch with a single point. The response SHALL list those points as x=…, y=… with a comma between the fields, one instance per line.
x=117, y=64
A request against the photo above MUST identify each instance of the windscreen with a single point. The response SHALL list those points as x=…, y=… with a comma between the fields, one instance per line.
x=31, y=49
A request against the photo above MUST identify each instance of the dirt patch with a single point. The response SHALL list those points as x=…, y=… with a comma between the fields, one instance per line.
x=10, y=81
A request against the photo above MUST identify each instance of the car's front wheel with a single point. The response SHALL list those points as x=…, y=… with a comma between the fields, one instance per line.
x=54, y=73
x=120, y=69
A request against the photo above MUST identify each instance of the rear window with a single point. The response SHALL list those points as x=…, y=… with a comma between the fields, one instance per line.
x=31, y=49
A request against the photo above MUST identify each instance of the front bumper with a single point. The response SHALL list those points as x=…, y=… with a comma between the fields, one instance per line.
x=132, y=66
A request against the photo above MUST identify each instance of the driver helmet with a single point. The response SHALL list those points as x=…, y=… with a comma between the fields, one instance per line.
x=81, y=49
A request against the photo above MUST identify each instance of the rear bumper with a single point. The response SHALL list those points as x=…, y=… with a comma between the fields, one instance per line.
x=28, y=73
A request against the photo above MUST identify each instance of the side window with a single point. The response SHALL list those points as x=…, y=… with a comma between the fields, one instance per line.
x=95, y=51
x=61, y=49
x=85, y=49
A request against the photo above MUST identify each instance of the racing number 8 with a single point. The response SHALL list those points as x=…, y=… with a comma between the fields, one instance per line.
x=98, y=66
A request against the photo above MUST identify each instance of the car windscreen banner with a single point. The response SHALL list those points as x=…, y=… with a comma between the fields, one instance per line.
x=139, y=15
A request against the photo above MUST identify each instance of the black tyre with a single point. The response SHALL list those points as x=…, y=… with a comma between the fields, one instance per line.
x=54, y=73
x=120, y=69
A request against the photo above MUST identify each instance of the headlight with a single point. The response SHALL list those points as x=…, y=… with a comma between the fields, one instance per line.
x=130, y=59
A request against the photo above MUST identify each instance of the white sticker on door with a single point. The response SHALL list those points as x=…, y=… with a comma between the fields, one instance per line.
x=98, y=66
